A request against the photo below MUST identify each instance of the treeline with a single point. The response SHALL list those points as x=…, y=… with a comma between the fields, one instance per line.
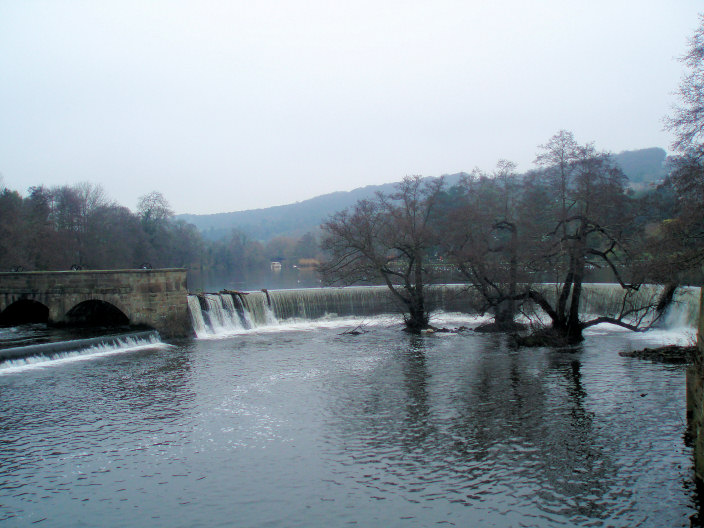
x=570, y=220
x=78, y=226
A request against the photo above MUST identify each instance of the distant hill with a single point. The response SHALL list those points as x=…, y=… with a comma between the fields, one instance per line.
x=642, y=167
x=290, y=220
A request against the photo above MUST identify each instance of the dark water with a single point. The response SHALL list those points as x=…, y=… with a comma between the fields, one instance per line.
x=302, y=426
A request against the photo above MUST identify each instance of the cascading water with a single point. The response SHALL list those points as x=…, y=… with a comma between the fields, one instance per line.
x=197, y=320
x=39, y=355
x=684, y=310
x=220, y=314
x=234, y=312
x=608, y=300
x=226, y=313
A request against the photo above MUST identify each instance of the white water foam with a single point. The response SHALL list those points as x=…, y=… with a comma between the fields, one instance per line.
x=675, y=328
x=121, y=346
x=440, y=319
x=300, y=325
x=220, y=316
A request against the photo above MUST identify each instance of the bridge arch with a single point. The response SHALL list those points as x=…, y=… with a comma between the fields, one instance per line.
x=24, y=311
x=94, y=312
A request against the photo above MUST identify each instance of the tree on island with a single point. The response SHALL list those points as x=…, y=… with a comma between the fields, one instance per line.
x=484, y=237
x=387, y=238
x=585, y=221
x=538, y=237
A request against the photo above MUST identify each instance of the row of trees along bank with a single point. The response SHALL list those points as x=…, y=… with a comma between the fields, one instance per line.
x=57, y=228
x=78, y=226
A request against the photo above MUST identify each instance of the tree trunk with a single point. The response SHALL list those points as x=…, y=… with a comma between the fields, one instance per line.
x=509, y=312
x=666, y=297
x=505, y=313
x=417, y=318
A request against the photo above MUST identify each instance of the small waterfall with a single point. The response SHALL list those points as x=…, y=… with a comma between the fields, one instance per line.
x=314, y=303
x=684, y=310
x=608, y=299
x=257, y=309
x=226, y=313
x=235, y=312
x=196, y=316
x=50, y=353
x=218, y=314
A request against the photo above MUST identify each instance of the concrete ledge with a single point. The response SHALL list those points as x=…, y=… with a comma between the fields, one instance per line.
x=76, y=345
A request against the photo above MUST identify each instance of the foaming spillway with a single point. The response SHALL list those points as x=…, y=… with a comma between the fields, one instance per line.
x=49, y=354
x=227, y=313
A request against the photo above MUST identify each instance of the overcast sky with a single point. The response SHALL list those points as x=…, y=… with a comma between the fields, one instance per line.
x=231, y=105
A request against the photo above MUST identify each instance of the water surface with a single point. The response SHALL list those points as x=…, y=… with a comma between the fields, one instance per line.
x=302, y=426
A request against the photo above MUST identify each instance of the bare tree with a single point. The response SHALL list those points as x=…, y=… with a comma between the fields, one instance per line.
x=684, y=235
x=388, y=238
x=483, y=238
x=153, y=208
x=687, y=119
x=585, y=217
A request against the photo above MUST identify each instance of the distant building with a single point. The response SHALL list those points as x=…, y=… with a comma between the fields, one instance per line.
x=308, y=263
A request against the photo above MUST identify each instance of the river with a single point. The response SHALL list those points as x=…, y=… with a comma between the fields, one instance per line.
x=294, y=423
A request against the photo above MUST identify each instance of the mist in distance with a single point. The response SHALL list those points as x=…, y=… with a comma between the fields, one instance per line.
x=231, y=106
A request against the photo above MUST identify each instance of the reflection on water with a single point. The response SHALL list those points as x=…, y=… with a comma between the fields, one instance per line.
x=315, y=428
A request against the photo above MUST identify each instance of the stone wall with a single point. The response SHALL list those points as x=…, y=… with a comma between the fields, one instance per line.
x=155, y=298
x=695, y=398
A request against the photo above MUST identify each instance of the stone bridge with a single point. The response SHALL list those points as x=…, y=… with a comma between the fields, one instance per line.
x=154, y=298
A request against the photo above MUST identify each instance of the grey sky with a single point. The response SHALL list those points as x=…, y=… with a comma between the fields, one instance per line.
x=234, y=105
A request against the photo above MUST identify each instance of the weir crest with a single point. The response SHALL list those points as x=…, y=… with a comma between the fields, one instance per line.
x=226, y=312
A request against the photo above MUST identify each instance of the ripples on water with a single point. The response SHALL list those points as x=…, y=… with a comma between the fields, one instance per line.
x=307, y=427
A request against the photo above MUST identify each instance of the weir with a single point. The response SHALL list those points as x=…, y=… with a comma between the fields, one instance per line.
x=214, y=313
x=75, y=345
x=226, y=312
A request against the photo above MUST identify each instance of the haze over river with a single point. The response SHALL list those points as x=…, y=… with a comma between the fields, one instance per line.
x=295, y=424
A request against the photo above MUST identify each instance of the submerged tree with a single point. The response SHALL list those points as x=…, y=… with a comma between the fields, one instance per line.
x=484, y=237
x=387, y=238
x=585, y=219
